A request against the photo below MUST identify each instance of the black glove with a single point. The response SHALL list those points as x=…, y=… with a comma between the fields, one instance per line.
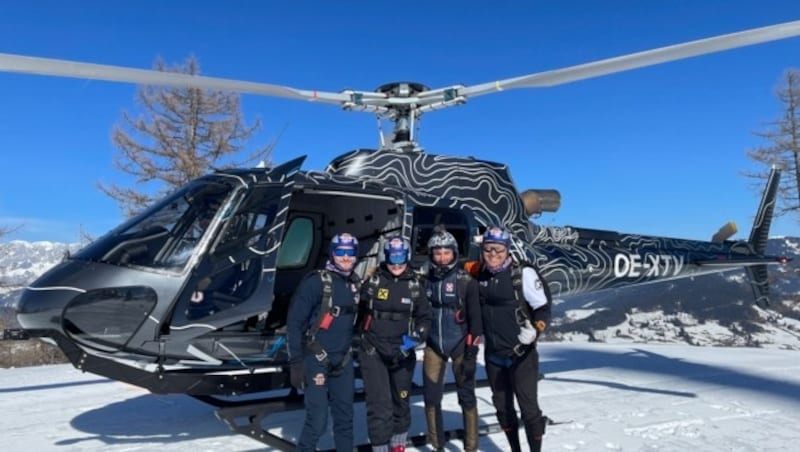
x=469, y=362
x=297, y=374
x=358, y=339
x=399, y=356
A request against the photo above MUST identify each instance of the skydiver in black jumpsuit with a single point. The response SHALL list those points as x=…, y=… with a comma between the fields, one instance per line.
x=394, y=318
x=515, y=304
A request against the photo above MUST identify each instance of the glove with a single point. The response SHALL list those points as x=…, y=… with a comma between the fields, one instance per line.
x=410, y=342
x=297, y=374
x=471, y=352
x=469, y=361
x=358, y=339
x=527, y=334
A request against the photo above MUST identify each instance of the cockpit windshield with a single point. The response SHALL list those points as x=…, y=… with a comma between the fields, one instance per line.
x=166, y=235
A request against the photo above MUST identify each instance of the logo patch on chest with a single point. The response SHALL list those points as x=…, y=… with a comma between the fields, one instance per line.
x=383, y=294
x=449, y=287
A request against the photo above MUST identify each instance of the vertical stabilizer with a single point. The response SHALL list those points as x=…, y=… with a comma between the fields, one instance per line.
x=760, y=232
x=759, y=278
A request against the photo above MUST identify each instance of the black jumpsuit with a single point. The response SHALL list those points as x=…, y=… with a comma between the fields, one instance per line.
x=388, y=312
x=329, y=384
x=512, y=368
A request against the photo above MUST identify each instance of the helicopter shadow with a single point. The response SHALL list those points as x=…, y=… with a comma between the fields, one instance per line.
x=556, y=360
x=149, y=418
x=46, y=387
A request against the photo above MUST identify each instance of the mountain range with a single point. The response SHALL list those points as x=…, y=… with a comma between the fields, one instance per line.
x=716, y=309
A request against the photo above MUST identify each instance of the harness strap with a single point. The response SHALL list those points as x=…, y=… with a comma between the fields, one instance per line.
x=385, y=315
x=462, y=281
x=325, y=306
x=413, y=287
x=523, y=311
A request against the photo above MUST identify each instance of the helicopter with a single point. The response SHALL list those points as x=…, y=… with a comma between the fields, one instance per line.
x=191, y=295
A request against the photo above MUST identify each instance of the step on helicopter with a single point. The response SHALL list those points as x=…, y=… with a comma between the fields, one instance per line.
x=191, y=295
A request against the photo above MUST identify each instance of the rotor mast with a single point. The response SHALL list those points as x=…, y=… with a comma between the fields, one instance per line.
x=403, y=103
x=404, y=115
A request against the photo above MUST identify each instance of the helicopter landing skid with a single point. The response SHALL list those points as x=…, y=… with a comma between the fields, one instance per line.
x=246, y=416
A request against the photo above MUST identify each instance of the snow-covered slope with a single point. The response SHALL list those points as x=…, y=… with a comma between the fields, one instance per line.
x=618, y=397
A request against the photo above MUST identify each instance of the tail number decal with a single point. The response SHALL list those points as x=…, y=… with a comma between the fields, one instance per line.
x=649, y=265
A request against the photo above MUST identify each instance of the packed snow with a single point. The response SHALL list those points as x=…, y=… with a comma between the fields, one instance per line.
x=616, y=397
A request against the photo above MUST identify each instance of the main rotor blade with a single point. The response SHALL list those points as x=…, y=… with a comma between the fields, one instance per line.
x=640, y=59
x=65, y=68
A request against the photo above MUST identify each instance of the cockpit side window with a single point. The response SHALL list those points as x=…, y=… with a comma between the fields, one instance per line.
x=249, y=226
x=166, y=235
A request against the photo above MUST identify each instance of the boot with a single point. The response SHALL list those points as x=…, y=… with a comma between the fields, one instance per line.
x=512, y=434
x=534, y=432
x=435, y=427
x=398, y=442
x=471, y=429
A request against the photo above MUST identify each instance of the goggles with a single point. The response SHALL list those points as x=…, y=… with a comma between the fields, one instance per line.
x=495, y=249
x=344, y=252
x=397, y=258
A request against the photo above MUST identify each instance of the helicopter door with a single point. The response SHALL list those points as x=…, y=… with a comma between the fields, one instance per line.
x=235, y=281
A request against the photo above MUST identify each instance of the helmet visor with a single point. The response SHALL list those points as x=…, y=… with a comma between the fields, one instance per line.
x=397, y=257
x=344, y=252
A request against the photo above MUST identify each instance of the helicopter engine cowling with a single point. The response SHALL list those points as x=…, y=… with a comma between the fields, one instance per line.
x=537, y=201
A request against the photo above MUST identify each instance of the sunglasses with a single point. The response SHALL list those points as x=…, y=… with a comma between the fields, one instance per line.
x=494, y=250
x=344, y=252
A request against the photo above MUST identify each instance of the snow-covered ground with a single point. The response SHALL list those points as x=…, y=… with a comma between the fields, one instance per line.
x=619, y=397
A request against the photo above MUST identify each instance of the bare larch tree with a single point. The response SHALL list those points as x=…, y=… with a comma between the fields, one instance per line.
x=782, y=147
x=181, y=134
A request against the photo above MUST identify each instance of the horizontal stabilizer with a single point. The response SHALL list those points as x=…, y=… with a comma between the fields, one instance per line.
x=742, y=261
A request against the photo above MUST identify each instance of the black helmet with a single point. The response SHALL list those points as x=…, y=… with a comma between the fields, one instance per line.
x=440, y=238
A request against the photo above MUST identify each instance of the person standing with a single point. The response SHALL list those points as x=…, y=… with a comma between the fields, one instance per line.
x=456, y=328
x=394, y=319
x=320, y=331
x=515, y=303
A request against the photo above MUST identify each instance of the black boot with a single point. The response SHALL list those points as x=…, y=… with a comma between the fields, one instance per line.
x=512, y=433
x=534, y=432
x=435, y=427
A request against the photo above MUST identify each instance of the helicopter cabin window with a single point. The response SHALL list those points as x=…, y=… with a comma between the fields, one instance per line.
x=297, y=243
x=164, y=236
x=426, y=219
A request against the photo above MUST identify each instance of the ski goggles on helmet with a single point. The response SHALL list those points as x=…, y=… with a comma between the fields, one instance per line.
x=339, y=252
x=397, y=258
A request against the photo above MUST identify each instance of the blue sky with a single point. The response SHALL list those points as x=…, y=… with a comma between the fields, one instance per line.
x=655, y=151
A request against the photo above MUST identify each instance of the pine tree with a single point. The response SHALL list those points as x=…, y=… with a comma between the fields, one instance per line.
x=783, y=146
x=182, y=133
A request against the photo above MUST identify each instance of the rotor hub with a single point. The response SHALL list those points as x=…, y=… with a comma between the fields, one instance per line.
x=402, y=89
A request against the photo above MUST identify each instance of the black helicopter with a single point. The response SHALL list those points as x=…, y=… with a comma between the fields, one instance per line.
x=191, y=295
